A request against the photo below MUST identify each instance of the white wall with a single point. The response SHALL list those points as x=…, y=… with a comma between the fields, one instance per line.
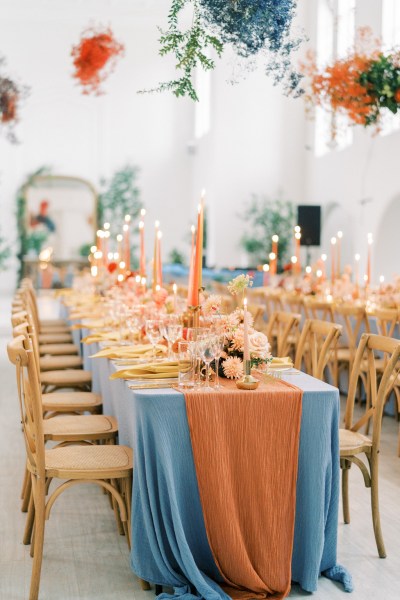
x=90, y=136
x=362, y=181
x=256, y=144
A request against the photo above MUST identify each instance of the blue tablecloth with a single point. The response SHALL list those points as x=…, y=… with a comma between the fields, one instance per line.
x=169, y=540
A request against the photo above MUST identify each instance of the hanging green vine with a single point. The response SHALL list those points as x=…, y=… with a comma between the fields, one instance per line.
x=249, y=27
x=190, y=48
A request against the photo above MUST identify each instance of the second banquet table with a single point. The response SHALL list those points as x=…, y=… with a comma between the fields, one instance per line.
x=169, y=540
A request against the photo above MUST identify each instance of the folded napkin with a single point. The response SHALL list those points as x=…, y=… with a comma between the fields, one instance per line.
x=137, y=351
x=104, y=336
x=90, y=324
x=284, y=361
x=161, y=370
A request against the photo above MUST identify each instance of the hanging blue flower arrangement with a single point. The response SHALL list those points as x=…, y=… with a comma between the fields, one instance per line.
x=250, y=27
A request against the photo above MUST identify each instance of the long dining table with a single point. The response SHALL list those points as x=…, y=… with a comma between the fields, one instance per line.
x=169, y=541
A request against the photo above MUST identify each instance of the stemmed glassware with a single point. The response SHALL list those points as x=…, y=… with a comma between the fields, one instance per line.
x=208, y=351
x=154, y=332
x=219, y=349
x=135, y=322
x=173, y=331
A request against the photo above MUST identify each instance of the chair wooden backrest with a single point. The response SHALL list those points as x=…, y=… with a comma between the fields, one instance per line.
x=273, y=301
x=284, y=327
x=318, y=340
x=387, y=320
x=318, y=309
x=293, y=302
x=369, y=345
x=355, y=320
x=257, y=312
x=20, y=353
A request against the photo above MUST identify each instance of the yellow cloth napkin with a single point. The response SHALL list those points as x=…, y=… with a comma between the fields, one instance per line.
x=283, y=361
x=163, y=370
x=137, y=351
x=104, y=336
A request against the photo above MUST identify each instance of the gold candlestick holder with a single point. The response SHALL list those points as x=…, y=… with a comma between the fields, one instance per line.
x=248, y=382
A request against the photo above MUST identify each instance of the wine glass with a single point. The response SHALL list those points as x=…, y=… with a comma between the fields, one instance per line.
x=208, y=350
x=220, y=341
x=194, y=335
x=154, y=332
x=172, y=330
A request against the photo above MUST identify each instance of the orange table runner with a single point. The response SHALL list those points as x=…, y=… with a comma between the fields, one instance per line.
x=245, y=447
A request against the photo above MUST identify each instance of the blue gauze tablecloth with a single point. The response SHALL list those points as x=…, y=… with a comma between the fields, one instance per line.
x=169, y=541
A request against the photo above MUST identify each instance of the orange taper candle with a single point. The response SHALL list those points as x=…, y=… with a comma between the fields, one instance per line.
x=192, y=267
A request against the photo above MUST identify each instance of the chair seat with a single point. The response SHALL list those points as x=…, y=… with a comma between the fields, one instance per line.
x=54, y=338
x=50, y=363
x=353, y=442
x=89, y=462
x=71, y=428
x=52, y=322
x=67, y=377
x=71, y=402
x=57, y=349
x=55, y=329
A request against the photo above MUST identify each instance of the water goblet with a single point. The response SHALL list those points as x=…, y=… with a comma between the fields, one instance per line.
x=208, y=350
x=154, y=333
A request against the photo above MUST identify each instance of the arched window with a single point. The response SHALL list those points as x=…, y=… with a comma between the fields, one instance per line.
x=390, y=39
x=335, y=35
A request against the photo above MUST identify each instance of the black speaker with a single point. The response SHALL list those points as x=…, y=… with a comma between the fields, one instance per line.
x=309, y=219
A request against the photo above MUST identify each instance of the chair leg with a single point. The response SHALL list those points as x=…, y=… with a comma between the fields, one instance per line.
x=376, y=519
x=29, y=523
x=27, y=495
x=25, y=483
x=39, y=499
x=115, y=506
x=345, y=490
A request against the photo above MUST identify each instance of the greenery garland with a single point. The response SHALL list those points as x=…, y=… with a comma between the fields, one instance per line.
x=249, y=26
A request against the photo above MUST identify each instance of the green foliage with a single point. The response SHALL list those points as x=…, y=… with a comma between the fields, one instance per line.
x=382, y=80
x=84, y=250
x=35, y=241
x=189, y=47
x=120, y=197
x=176, y=257
x=265, y=218
x=5, y=252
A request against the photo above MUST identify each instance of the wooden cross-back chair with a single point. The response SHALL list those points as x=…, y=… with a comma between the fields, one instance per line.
x=355, y=323
x=109, y=467
x=387, y=321
x=353, y=444
x=283, y=332
x=66, y=402
x=46, y=334
x=53, y=380
x=257, y=312
x=318, y=309
x=293, y=302
x=273, y=301
x=50, y=326
x=316, y=346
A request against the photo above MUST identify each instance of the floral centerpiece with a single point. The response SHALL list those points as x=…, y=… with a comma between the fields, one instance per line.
x=361, y=85
x=231, y=326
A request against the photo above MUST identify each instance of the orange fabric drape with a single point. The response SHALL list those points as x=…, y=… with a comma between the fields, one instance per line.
x=245, y=447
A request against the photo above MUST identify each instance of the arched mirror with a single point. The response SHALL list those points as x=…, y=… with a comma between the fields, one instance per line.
x=58, y=222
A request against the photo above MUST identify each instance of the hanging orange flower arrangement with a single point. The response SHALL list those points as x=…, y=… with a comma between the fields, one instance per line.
x=11, y=95
x=94, y=58
x=359, y=85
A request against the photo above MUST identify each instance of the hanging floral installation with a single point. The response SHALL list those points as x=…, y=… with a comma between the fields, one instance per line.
x=95, y=57
x=252, y=28
x=11, y=94
x=361, y=85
